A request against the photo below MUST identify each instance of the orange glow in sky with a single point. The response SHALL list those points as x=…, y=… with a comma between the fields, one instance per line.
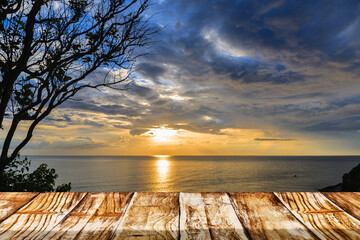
x=162, y=134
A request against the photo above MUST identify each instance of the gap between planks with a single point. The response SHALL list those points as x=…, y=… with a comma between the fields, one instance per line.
x=322, y=216
x=39, y=216
x=206, y=204
x=11, y=202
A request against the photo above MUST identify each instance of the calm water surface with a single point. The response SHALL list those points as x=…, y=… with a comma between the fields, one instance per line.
x=198, y=173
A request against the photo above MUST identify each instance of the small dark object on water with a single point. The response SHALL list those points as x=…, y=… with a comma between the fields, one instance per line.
x=295, y=175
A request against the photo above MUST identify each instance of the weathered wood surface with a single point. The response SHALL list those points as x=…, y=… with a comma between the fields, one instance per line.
x=37, y=218
x=180, y=215
x=324, y=218
x=96, y=217
x=348, y=201
x=12, y=201
x=209, y=215
x=152, y=215
x=266, y=218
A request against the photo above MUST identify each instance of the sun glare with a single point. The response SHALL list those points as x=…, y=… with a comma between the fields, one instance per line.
x=163, y=165
x=162, y=156
x=162, y=169
x=162, y=134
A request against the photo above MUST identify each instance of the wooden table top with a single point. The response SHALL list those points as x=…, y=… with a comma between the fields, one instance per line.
x=158, y=215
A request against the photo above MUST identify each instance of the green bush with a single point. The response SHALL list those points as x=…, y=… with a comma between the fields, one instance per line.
x=17, y=178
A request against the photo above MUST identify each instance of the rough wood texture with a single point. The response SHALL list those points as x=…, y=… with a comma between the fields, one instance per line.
x=320, y=215
x=208, y=215
x=348, y=201
x=266, y=218
x=190, y=216
x=96, y=217
x=193, y=220
x=37, y=218
x=12, y=201
x=152, y=215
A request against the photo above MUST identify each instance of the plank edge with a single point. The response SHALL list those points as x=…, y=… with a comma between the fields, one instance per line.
x=235, y=209
x=67, y=215
x=346, y=212
x=30, y=200
x=129, y=202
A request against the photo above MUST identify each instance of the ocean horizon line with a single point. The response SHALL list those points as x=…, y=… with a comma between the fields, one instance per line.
x=195, y=155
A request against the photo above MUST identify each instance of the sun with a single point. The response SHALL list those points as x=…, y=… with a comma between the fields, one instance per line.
x=162, y=134
x=161, y=156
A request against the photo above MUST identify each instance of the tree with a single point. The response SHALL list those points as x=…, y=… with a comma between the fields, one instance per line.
x=17, y=178
x=50, y=48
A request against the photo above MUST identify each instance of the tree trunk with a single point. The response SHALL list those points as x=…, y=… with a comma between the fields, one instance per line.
x=2, y=174
x=14, y=71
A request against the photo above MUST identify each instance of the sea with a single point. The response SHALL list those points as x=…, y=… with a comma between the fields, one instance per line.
x=162, y=173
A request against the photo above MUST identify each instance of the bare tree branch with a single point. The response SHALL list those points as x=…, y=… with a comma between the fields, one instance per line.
x=50, y=49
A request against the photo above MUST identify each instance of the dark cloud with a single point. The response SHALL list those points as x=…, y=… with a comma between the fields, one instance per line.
x=111, y=109
x=350, y=123
x=340, y=114
x=160, y=102
x=135, y=132
x=143, y=92
x=275, y=139
x=270, y=28
x=280, y=67
x=140, y=90
x=349, y=100
x=307, y=95
x=68, y=119
x=290, y=64
x=150, y=70
x=273, y=35
x=293, y=26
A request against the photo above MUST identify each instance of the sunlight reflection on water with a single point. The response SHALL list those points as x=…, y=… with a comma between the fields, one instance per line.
x=198, y=173
x=162, y=169
x=162, y=178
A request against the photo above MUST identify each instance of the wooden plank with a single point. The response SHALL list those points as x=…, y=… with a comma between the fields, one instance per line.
x=193, y=220
x=324, y=218
x=12, y=201
x=36, y=219
x=208, y=215
x=265, y=217
x=348, y=201
x=152, y=215
x=96, y=217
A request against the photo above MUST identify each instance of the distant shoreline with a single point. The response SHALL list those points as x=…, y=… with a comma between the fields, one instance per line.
x=350, y=182
x=333, y=188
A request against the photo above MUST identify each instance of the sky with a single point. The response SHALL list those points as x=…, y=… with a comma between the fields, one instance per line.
x=227, y=78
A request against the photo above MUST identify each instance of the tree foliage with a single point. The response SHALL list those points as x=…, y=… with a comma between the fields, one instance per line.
x=17, y=178
x=51, y=49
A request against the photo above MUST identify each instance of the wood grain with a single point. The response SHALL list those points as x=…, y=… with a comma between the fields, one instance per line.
x=265, y=217
x=208, y=216
x=348, y=201
x=193, y=220
x=152, y=215
x=324, y=218
x=96, y=217
x=12, y=201
x=186, y=216
x=37, y=218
